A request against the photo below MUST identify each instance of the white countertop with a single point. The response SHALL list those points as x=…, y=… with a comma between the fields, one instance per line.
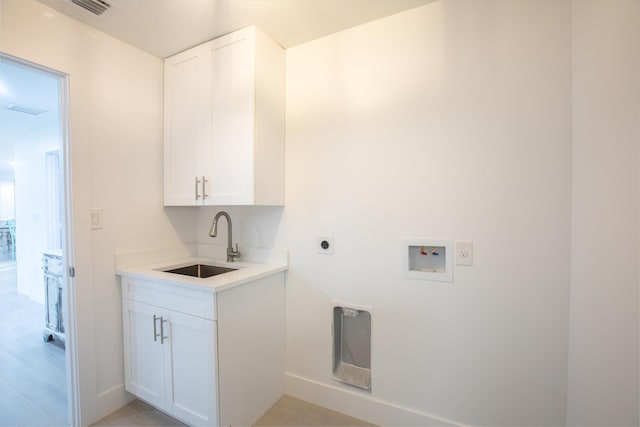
x=246, y=272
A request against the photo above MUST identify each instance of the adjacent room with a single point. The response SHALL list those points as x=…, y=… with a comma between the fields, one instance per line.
x=331, y=212
x=32, y=281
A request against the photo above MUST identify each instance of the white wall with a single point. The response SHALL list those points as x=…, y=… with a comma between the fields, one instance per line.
x=7, y=205
x=603, y=362
x=450, y=120
x=31, y=206
x=116, y=164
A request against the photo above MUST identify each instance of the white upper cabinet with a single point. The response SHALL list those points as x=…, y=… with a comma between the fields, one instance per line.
x=224, y=122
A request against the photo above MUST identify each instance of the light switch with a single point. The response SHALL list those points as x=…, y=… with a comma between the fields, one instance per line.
x=96, y=219
x=464, y=253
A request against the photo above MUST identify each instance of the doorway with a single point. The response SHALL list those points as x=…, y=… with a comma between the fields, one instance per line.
x=34, y=361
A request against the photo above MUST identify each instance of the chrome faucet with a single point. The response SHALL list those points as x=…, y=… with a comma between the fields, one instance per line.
x=231, y=254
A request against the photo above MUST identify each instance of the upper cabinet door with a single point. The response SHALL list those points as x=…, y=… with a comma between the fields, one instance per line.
x=232, y=119
x=224, y=122
x=185, y=115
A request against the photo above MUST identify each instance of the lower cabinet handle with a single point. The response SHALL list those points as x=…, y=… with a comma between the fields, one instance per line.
x=155, y=331
x=162, y=337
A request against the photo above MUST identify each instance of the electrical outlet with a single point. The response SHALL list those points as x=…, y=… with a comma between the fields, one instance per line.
x=325, y=245
x=464, y=253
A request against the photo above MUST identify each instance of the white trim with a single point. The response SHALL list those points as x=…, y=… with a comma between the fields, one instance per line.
x=69, y=301
x=73, y=373
x=54, y=194
x=360, y=404
x=115, y=397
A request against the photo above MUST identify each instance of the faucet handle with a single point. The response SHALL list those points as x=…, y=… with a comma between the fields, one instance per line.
x=234, y=253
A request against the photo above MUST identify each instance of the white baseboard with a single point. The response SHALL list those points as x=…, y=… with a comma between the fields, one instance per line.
x=111, y=400
x=360, y=405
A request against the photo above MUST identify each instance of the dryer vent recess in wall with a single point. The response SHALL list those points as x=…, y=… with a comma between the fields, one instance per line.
x=352, y=346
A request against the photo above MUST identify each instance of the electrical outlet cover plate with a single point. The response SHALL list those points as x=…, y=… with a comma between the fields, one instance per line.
x=325, y=245
x=464, y=253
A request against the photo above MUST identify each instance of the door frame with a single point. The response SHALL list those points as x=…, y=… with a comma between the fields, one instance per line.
x=69, y=295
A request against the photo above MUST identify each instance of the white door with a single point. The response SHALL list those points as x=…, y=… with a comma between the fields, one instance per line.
x=145, y=370
x=191, y=385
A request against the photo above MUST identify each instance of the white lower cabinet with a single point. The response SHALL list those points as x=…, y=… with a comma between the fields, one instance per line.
x=171, y=361
x=206, y=358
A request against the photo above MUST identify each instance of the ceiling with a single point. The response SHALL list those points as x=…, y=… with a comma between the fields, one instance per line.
x=29, y=88
x=165, y=27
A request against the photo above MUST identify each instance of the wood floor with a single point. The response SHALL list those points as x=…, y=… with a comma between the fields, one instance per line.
x=286, y=412
x=33, y=388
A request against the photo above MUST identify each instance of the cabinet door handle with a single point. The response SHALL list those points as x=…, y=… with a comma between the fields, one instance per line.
x=197, y=183
x=162, y=337
x=155, y=331
x=204, y=191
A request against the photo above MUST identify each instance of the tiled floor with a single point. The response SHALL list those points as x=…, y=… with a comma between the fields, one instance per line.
x=286, y=412
x=138, y=413
x=289, y=411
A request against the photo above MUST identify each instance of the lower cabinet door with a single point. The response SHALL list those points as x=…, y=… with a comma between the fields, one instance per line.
x=191, y=383
x=144, y=364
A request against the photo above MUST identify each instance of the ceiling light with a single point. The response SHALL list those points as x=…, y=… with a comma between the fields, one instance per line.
x=4, y=90
x=27, y=110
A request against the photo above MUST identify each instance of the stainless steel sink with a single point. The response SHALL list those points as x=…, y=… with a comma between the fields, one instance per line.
x=200, y=270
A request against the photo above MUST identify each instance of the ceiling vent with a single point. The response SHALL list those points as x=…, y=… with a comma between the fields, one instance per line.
x=94, y=6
